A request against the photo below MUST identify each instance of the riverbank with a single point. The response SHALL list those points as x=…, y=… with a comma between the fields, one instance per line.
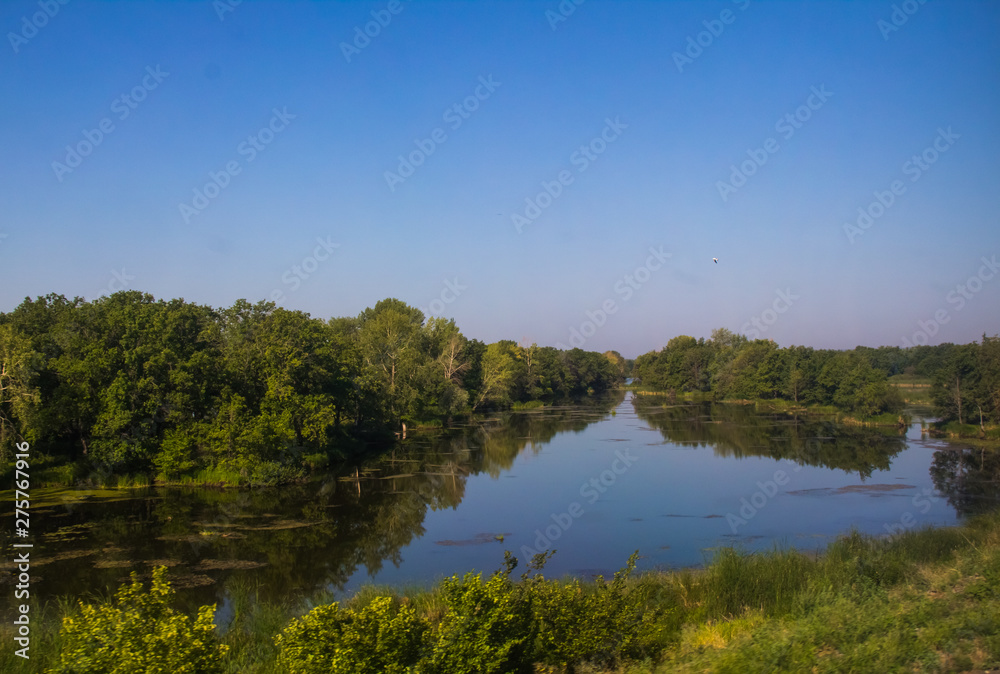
x=926, y=600
x=952, y=429
x=295, y=466
x=781, y=406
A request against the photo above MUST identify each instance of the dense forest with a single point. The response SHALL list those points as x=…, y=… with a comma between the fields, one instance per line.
x=138, y=385
x=966, y=378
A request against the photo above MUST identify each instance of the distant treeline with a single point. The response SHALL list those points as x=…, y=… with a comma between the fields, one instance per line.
x=138, y=385
x=966, y=378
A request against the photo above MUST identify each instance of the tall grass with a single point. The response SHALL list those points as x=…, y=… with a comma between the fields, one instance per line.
x=735, y=583
x=250, y=632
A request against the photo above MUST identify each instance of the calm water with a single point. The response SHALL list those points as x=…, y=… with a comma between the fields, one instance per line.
x=594, y=482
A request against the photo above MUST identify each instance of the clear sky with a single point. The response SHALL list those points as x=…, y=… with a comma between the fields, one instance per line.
x=216, y=151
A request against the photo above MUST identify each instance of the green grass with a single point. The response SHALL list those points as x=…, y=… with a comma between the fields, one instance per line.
x=953, y=429
x=250, y=633
x=922, y=600
x=916, y=390
x=926, y=600
x=910, y=380
x=888, y=419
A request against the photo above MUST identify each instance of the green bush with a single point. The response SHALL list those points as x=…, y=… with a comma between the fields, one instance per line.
x=331, y=640
x=601, y=626
x=176, y=455
x=271, y=473
x=316, y=463
x=487, y=627
x=139, y=633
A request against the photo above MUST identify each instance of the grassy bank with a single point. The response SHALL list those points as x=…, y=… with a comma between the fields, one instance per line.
x=914, y=389
x=887, y=420
x=953, y=429
x=923, y=600
x=781, y=406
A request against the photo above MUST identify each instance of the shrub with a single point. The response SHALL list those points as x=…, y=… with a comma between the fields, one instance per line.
x=600, y=627
x=317, y=462
x=487, y=627
x=139, y=633
x=271, y=473
x=176, y=455
x=331, y=640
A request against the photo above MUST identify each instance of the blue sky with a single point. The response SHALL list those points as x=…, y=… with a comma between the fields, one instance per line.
x=302, y=131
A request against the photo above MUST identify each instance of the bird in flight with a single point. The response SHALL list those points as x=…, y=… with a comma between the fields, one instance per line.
x=715, y=260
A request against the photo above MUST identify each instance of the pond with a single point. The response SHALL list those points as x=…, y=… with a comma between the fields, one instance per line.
x=593, y=481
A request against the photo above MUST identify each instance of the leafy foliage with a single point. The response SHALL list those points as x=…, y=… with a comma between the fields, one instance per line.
x=139, y=633
x=380, y=638
x=729, y=366
x=602, y=625
x=487, y=627
x=129, y=384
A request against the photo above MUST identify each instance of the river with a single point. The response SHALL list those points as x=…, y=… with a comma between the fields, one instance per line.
x=593, y=481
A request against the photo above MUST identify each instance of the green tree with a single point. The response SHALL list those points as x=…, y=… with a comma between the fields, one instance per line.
x=956, y=383
x=390, y=340
x=499, y=369
x=988, y=364
x=19, y=395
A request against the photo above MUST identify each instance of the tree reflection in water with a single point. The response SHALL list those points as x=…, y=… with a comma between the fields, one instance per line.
x=968, y=477
x=740, y=431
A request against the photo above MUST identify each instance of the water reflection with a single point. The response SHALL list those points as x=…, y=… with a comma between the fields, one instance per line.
x=740, y=431
x=969, y=478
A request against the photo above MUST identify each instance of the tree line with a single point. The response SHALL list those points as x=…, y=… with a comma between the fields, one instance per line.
x=140, y=385
x=966, y=378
